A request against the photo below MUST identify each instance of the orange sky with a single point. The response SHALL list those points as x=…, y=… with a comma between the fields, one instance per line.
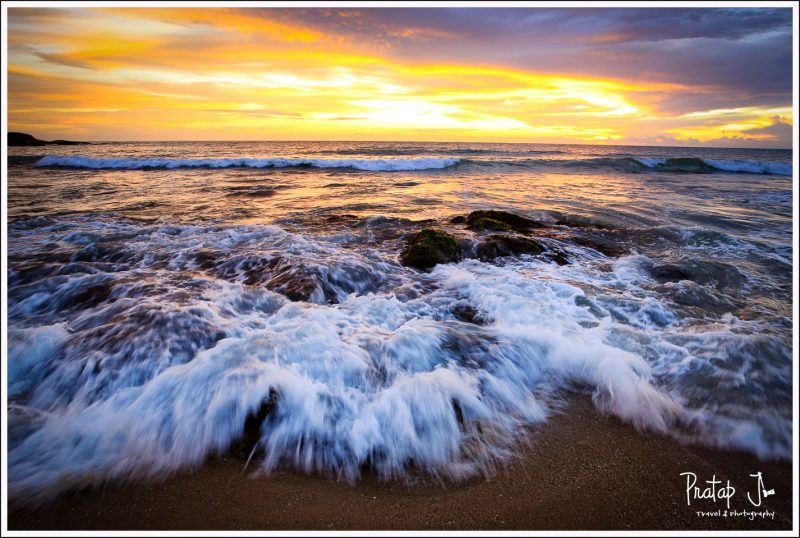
x=235, y=74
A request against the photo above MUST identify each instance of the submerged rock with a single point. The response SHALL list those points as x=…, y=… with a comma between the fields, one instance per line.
x=496, y=246
x=669, y=273
x=430, y=247
x=500, y=221
x=604, y=244
x=468, y=314
x=579, y=222
x=243, y=447
x=717, y=274
x=297, y=286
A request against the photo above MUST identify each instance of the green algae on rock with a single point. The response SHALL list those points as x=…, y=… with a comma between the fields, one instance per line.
x=430, y=247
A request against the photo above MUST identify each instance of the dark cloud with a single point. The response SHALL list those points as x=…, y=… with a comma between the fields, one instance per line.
x=778, y=131
x=742, y=54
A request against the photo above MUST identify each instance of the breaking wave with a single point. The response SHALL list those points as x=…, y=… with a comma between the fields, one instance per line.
x=142, y=350
x=694, y=164
x=625, y=164
x=373, y=165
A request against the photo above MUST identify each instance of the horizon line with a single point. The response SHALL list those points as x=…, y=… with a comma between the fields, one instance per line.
x=155, y=141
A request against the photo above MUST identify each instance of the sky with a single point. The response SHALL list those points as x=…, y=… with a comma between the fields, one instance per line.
x=647, y=76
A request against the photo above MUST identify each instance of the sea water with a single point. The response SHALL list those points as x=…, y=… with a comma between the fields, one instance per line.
x=167, y=300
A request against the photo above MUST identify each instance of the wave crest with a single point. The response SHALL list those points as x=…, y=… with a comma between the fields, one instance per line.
x=370, y=165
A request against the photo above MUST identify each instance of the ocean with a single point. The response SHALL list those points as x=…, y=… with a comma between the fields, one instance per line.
x=169, y=302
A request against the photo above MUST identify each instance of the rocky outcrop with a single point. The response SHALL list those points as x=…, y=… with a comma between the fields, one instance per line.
x=430, y=247
x=24, y=139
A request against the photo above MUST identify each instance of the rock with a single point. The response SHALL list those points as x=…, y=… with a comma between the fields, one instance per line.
x=86, y=297
x=669, y=273
x=429, y=247
x=500, y=221
x=458, y=219
x=557, y=256
x=342, y=218
x=24, y=139
x=67, y=143
x=297, y=285
x=206, y=258
x=717, y=274
x=251, y=432
x=494, y=225
x=607, y=246
x=576, y=222
x=496, y=246
x=468, y=314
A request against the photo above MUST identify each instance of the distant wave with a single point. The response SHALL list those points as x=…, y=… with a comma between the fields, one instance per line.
x=432, y=151
x=374, y=165
x=689, y=165
x=694, y=164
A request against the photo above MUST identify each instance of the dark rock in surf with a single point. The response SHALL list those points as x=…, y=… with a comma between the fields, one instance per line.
x=297, y=285
x=484, y=223
x=206, y=258
x=498, y=245
x=243, y=447
x=500, y=221
x=85, y=297
x=430, y=247
x=574, y=222
x=468, y=314
x=669, y=273
x=608, y=246
x=717, y=274
x=342, y=218
x=557, y=256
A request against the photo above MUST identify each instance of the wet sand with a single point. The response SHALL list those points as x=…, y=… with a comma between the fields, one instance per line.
x=581, y=471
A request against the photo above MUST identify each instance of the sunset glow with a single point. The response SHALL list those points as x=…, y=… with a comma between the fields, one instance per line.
x=346, y=74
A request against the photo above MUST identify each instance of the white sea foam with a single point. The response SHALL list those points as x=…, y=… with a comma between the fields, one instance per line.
x=373, y=165
x=650, y=162
x=373, y=380
x=30, y=348
x=753, y=167
x=380, y=379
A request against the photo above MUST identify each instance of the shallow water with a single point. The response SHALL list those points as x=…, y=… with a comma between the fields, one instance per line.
x=161, y=294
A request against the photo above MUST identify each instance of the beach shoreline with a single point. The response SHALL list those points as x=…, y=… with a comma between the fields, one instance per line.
x=580, y=471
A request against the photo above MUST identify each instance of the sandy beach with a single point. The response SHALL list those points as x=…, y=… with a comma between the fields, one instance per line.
x=581, y=471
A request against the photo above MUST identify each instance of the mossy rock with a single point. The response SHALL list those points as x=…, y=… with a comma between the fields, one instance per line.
x=500, y=221
x=430, y=247
x=496, y=246
x=494, y=225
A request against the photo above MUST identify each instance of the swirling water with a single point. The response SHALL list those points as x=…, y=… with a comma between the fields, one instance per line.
x=170, y=300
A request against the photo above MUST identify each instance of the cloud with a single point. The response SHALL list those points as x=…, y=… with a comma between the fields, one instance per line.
x=527, y=74
x=779, y=131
